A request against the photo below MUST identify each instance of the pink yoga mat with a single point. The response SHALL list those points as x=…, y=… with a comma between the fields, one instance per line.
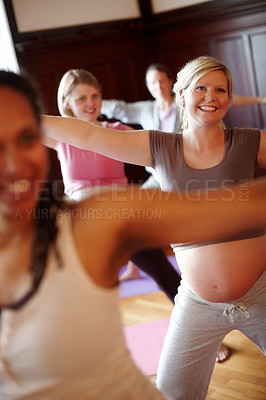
x=145, y=342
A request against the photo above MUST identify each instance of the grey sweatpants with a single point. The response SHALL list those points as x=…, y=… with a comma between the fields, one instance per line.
x=196, y=330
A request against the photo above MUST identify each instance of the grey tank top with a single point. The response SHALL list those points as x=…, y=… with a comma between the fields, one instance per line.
x=237, y=166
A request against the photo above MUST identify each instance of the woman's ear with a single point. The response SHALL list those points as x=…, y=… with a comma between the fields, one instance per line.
x=68, y=110
x=182, y=98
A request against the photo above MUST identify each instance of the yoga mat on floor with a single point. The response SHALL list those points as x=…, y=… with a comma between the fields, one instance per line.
x=172, y=260
x=142, y=285
x=145, y=342
x=135, y=287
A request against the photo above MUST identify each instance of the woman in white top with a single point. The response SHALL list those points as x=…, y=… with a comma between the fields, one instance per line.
x=61, y=333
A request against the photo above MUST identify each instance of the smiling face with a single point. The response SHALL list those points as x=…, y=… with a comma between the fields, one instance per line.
x=85, y=102
x=207, y=102
x=159, y=85
x=23, y=158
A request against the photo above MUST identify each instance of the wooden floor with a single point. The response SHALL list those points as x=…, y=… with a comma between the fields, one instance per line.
x=241, y=377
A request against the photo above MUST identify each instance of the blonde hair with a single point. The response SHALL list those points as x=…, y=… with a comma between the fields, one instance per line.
x=68, y=83
x=189, y=75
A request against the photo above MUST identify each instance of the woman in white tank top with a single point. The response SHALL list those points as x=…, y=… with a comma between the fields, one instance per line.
x=60, y=332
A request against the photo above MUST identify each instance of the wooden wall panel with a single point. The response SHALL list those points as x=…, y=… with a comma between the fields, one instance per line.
x=243, y=56
x=231, y=52
x=258, y=46
x=118, y=62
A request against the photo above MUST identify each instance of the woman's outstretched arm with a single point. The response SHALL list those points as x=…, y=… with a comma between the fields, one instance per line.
x=239, y=101
x=132, y=219
x=127, y=146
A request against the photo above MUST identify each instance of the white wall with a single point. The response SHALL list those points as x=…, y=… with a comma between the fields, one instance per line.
x=8, y=59
x=34, y=15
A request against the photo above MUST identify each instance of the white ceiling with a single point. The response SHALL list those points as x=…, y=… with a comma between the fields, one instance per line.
x=32, y=15
x=167, y=5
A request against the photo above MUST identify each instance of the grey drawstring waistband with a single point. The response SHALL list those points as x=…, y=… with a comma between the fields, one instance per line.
x=230, y=308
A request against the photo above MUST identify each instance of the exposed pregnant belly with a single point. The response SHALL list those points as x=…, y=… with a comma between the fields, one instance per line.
x=224, y=271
